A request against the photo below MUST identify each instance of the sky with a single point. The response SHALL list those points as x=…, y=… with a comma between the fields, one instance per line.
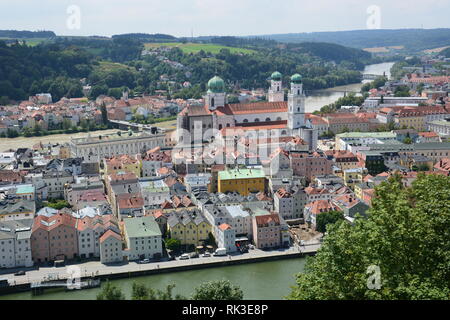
x=219, y=17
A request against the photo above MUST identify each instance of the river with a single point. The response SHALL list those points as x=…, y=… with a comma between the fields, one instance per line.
x=259, y=281
x=319, y=98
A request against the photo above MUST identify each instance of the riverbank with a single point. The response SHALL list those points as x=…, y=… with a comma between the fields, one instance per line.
x=133, y=269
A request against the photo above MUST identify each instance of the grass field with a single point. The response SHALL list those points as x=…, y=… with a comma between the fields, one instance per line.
x=105, y=67
x=196, y=47
x=31, y=41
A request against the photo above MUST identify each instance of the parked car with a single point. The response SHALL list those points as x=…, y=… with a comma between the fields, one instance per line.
x=184, y=256
x=206, y=254
x=220, y=252
x=193, y=255
x=20, y=273
x=145, y=261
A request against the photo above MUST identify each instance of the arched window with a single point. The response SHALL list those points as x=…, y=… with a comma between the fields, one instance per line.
x=257, y=120
x=283, y=132
x=220, y=126
x=279, y=119
x=267, y=119
x=212, y=102
x=245, y=120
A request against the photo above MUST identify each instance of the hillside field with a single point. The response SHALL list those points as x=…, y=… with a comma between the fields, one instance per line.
x=196, y=47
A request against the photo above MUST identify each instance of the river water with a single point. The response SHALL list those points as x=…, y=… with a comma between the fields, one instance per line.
x=259, y=281
x=319, y=98
x=264, y=281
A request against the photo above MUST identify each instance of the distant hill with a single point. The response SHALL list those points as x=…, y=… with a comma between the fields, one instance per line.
x=411, y=39
x=145, y=37
x=15, y=34
x=330, y=51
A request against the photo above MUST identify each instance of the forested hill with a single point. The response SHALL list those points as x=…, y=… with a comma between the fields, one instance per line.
x=14, y=34
x=413, y=39
x=61, y=66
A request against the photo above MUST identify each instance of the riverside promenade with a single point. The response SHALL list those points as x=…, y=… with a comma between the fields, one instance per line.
x=133, y=269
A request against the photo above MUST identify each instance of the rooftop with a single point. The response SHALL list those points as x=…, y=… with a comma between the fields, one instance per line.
x=241, y=174
x=140, y=227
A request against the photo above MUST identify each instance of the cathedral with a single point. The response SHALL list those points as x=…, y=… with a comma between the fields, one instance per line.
x=200, y=124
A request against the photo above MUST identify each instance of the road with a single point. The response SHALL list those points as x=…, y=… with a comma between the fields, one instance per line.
x=95, y=268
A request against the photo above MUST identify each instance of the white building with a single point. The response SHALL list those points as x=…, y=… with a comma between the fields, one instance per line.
x=15, y=244
x=226, y=237
x=111, y=247
x=114, y=144
x=143, y=238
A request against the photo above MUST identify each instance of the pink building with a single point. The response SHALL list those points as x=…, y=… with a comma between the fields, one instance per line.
x=310, y=164
x=267, y=231
x=54, y=238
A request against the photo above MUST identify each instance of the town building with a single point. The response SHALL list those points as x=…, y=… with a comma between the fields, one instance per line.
x=143, y=238
x=15, y=243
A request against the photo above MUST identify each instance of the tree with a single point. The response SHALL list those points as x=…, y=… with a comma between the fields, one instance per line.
x=406, y=235
x=218, y=290
x=326, y=218
x=407, y=140
x=173, y=244
x=110, y=292
x=141, y=292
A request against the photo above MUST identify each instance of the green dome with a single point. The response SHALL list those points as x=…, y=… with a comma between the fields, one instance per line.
x=216, y=85
x=296, y=78
x=276, y=76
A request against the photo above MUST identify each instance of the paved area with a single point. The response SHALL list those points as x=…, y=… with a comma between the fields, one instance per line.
x=95, y=268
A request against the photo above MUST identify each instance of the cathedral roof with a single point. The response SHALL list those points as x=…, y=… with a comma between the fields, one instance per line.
x=296, y=78
x=257, y=107
x=216, y=85
x=276, y=76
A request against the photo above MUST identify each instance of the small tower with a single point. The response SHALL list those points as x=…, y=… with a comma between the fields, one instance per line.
x=215, y=96
x=276, y=93
x=296, y=103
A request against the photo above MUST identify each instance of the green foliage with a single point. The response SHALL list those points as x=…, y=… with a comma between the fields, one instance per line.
x=57, y=204
x=375, y=84
x=110, y=292
x=401, y=91
x=141, y=292
x=407, y=140
x=406, y=234
x=327, y=218
x=218, y=290
x=349, y=100
x=173, y=244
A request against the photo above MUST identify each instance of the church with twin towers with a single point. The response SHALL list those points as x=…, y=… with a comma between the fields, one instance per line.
x=277, y=116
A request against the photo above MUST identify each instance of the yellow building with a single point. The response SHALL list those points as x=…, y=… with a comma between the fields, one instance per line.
x=410, y=119
x=352, y=177
x=191, y=228
x=243, y=181
x=123, y=163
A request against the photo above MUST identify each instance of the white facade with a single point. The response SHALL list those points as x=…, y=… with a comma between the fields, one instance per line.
x=226, y=239
x=15, y=244
x=111, y=250
x=296, y=106
x=111, y=145
x=276, y=93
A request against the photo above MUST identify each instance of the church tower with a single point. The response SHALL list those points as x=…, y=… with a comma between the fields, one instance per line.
x=296, y=104
x=215, y=96
x=276, y=93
